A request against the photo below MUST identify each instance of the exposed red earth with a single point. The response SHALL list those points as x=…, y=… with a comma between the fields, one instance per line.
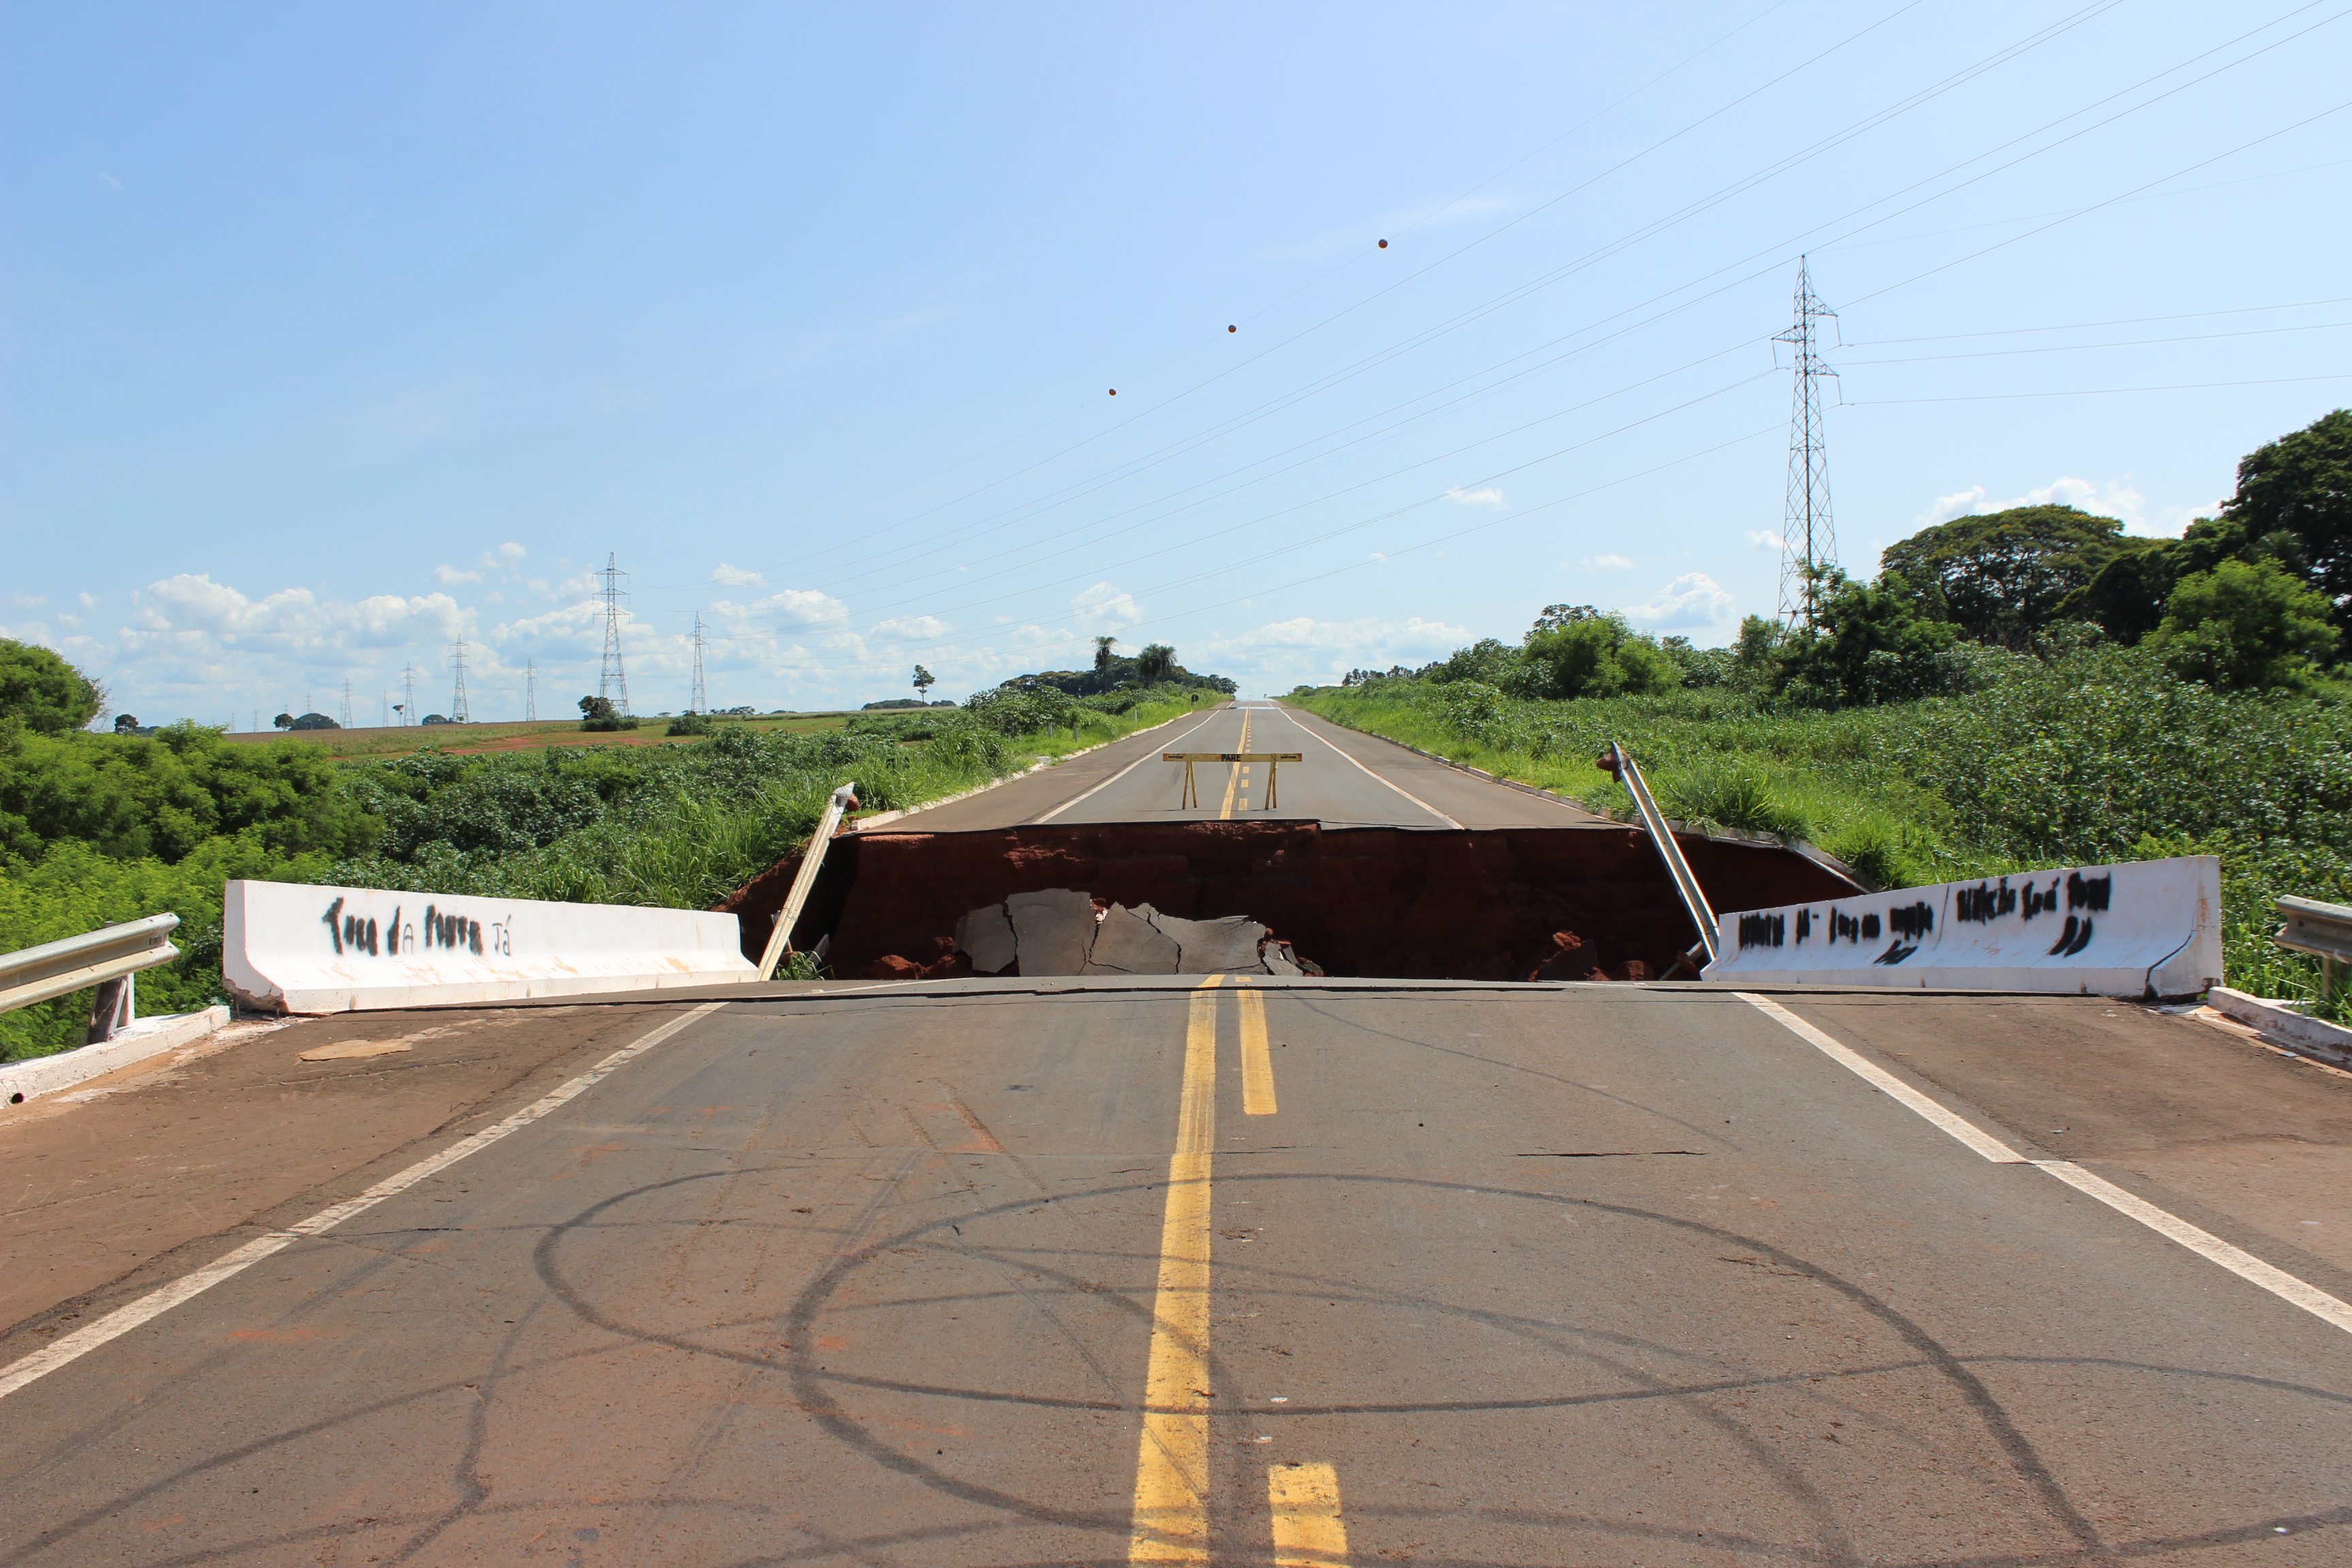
x=1386, y=903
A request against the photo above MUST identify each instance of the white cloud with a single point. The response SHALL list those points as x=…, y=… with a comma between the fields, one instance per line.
x=737, y=576
x=1106, y=607
x=1765, y=538
x=803, y=608
x=2119, y=499
x=911, y=628
x=503, y=558
x=28, y=601
x=1379, y=556
x=1489, y=496
x=1689, y=603
x=1607, y=564
x=450, y=577
x=88, y=600
x=109, y=180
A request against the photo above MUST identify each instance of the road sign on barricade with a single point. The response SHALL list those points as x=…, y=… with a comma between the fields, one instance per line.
x=292, y=948
x=2141, y=927
x=1273, y=760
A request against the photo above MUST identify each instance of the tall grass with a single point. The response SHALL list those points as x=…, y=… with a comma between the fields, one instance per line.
x=2094, y=756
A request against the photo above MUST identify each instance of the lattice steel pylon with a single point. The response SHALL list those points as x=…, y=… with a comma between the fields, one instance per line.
x=347, y=702
x=1808, y=535
x=697, y=703
x=529, y=690
x=457, y=713
x=614, y=683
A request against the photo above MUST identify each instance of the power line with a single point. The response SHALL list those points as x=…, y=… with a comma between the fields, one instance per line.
x=1808, y=536
x=2101, y=391
x=457, y=710
x=612, y=681
x=2093, y=326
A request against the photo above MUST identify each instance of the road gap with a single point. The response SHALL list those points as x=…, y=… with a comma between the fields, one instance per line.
x=1370, y=903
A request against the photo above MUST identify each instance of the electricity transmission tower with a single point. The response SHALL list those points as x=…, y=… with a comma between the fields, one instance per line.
x=458, y=714
x=347, y=702
x=697, y=703
x=531, y=688
x=1808, y=536
x=613, y=683
x=408, y=690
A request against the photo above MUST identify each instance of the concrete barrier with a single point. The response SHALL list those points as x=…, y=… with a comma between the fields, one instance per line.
x=2143, y=928
x=292, y=948
x=135, y=1042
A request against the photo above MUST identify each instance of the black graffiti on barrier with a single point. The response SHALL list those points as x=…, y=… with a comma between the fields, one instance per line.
x=1765, y=929
x=1982, y=905
x=2088, y=892
x=1804, y=926
x=355, y=933
x=1910, y=924
x=2073, y=937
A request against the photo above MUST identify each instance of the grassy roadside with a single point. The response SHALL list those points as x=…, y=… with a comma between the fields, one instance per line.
x=468, y=740
x=2094, y=757
x=677, y=826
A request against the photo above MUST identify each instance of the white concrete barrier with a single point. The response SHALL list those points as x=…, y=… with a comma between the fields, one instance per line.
x=2146, y=927
x=292, y=948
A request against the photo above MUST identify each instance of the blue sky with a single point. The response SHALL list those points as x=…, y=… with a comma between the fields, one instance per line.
x=337, y=335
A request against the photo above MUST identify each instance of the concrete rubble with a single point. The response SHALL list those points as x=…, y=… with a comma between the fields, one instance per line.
x=1058, y=930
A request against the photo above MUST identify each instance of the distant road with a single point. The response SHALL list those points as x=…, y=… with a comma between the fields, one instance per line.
x=1343, y=778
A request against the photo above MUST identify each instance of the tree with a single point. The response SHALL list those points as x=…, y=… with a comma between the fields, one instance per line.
x=40, y=690
x=1103, y=655
x=1554, y=616
x=924, y=681
x=1489, y=660
x=1872, y=643
x=2300, y=486
x=284, y=721
x=2243, y=625
x=1595, y=656
x=1155, y=664
x=2002, y=576
x=126, y=723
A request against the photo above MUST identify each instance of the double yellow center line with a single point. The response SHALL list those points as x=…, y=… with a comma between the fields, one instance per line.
x=1171, y=1464
x=1237, y=782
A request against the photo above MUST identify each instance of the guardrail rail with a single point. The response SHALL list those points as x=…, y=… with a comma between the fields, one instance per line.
x=1618, y=761
x=812, y=860
x=2324, y=931
x=95, y=958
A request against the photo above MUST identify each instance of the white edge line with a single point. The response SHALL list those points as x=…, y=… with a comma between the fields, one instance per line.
x=1036, y=821
x=1878, y=1077
x=2171, y=1227
x=123, y=1319
x=2203, y=1243
x=1373, y=776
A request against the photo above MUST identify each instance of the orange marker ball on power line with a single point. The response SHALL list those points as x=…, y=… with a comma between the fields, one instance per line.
x=1114, y=392
x=1384, y=245
x=1232, y=329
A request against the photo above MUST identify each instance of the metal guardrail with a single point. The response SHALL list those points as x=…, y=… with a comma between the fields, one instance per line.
x=1702, y=915
x=77, y=963
x=812, y=860
x=2324, y=931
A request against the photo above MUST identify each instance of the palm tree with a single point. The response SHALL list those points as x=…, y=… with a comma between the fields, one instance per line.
x=1155, y=663
x=1102, y=654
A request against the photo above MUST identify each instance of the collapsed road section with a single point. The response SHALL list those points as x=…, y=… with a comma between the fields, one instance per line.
x=1373, y=902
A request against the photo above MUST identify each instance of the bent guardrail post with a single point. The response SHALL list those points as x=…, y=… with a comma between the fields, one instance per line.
x=1619, y=762
x=2324, y=931
x=76, y=963
x=780, y=938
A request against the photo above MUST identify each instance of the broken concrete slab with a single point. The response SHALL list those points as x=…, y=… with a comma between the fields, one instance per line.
x=1279, y=959
x=985, y=935
x=1126, y=942
x=1214, y=947
x=1053, y=930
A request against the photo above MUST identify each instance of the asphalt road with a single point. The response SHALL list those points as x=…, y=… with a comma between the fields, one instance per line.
x=995, y=1273
x=1342, y=778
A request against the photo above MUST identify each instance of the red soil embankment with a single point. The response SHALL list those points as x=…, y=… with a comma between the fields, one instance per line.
x=1372, y=902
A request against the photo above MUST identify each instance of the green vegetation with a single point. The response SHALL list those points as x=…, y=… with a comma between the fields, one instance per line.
x=2013, y=691
x=99, y=829
x=41, y=691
